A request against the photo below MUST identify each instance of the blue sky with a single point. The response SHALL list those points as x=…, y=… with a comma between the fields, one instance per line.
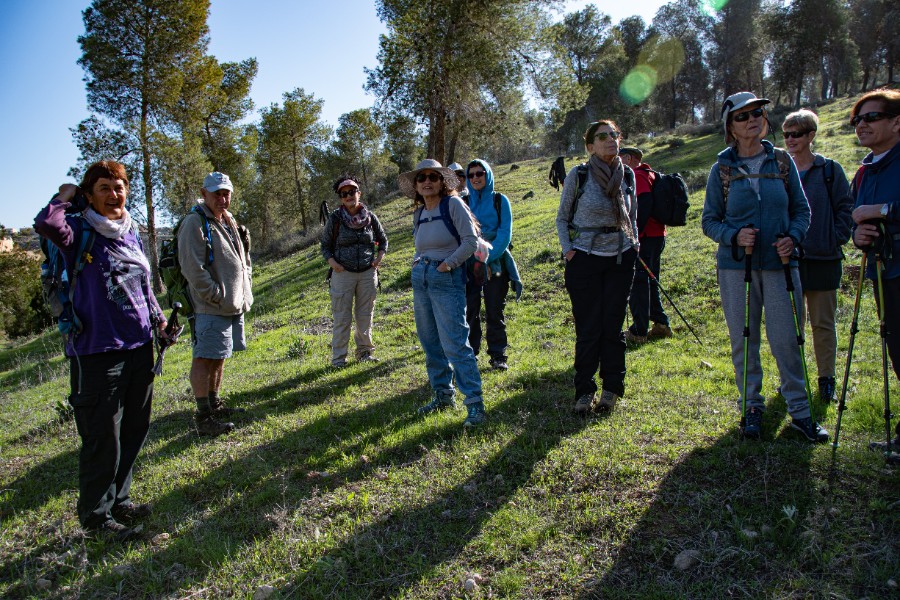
x=319, y=46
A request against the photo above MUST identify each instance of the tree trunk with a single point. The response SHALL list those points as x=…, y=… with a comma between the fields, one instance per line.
x=153, y=255
x=865, y=81
x=451, y=149
x=295, y=163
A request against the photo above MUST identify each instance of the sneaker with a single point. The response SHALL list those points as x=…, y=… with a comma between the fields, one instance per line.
x=476, y=415
x=131, y=511
x=117, y=531
x=753, y=424
x=882, y=446
x=811, y=430
x=439, y=401
x=634, y=339
x=607, y=401
x=826, y=389
x=367, y=357
x=499, y=364
x=207, y=424
x=584, y=404
x=338, y=364
x=659, y=331
x=220, y=410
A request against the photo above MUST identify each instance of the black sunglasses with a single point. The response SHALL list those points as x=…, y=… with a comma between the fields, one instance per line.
x=348, y=193
x=794, y=134
x=755, y=113
x=474, y=174
x=432, y=177
x=602, y=135
x=870, y=117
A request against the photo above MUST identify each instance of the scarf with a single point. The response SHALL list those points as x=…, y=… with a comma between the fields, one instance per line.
x=116, y=230
x=360, y=220
x=609, y=177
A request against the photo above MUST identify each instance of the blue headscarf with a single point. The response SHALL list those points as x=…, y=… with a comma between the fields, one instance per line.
x=475, y=196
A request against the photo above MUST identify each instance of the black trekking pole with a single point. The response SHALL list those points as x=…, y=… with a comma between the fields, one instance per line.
x=854, y=328
x=663, y=290
x=879, y=265
x=173, y=330
x=789, y=282
x=748, y=278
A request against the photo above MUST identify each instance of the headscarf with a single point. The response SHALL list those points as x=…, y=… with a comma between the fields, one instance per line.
x=487, y=192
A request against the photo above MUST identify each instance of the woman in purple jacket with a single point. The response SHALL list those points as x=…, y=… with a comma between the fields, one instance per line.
x=111, y=355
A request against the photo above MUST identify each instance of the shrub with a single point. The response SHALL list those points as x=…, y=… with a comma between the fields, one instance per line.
x=22, y=307
x=675, y=142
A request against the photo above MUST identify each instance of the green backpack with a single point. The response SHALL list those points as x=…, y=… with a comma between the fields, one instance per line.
x=170, y=269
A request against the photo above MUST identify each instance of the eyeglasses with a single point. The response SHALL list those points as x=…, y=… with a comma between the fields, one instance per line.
x=460, y=174
x=476, y=174
x=602, y=135
x=348, y=194
x=870, y=117
x=755, y=113
x=794, y=134
x=432, y=177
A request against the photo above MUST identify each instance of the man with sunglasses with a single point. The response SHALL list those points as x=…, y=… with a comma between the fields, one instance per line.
x=876, y=188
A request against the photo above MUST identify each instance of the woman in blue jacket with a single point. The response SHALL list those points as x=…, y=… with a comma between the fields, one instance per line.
x=494, y=214
x=754, y=193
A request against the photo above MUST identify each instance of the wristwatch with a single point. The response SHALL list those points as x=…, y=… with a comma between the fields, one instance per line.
x=884, y=210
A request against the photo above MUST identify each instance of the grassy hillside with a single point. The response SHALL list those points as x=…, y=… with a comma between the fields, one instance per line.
x=333, y=487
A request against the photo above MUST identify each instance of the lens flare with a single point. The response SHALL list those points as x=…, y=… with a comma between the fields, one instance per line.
x=638, y=84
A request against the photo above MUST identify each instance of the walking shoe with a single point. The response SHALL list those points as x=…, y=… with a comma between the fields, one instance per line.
x=659, y=331
x=753, y=424
x=131, y=511
x=882, y=446
x=338, y=364
x=634, y=339
x=117, y=531
x=439, y=401
x=367, y=357
x=584, y=404
x=811, y=430
x=607, y=401
x=499, y=364
x=207, y=424
x=220, y=410
x=476, y=415
x=826, y=389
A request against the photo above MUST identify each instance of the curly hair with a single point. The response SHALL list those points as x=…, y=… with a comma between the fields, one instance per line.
x=344, y=177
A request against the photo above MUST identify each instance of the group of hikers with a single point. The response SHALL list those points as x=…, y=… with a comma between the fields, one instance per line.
x=763, y=205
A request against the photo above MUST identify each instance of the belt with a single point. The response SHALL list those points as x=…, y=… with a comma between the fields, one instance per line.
x=429, y=261
x=601, y=229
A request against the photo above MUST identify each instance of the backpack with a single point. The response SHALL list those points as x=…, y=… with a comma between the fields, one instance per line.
x=480, y=270
x=170, y=269
x=582, y=173
x=670, y=199
x=557, y=172
x=784, y=170
x=58, y=285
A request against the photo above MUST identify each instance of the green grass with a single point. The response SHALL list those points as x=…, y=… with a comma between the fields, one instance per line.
x=332, y=487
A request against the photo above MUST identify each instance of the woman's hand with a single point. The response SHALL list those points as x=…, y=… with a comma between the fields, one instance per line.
x=864, y=213
x=443, y=268
x=570, y=255
x=378, y=260
x=865, y=234
x=784, y=246
x=746, y=237
x=67, y=192
x=335, y=266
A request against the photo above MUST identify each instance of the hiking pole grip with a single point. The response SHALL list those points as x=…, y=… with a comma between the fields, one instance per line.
x=786, y=263
x=171, y=328
x=172, y=324
x=748, y=253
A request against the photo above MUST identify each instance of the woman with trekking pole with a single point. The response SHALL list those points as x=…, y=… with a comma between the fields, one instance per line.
x=110, y=345
x=876, y=188
x=753, y=194
x=445, y=235
x=597, y=228
x=830, y=203
x=353, y=243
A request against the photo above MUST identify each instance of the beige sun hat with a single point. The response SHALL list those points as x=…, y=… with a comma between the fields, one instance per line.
x=408, y=180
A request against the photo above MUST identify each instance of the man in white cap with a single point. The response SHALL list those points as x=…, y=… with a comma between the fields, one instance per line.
x=214, y=256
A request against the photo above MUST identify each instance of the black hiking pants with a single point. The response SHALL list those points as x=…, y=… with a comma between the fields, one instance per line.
x=495, y=292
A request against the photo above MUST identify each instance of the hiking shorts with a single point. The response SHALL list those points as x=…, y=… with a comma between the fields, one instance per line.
x=217, y=336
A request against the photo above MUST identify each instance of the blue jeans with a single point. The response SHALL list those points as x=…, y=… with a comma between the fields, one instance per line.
x=439, y=304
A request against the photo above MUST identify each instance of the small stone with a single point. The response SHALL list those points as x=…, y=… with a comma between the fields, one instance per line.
x=891, y=583
x=381, y=476
x=160, y=538
x=43, y=584
x=478, y=578
x=687, y=559
x=364, y=459
x=749, y=534
x=470, y=585
x=263, y=592
x=708, y=365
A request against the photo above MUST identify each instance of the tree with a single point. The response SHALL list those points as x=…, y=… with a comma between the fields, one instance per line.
x=133, y=55
x=359, y=147
x=404, y=141
x=737, y=54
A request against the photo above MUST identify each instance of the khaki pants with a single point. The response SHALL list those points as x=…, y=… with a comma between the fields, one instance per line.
x=821, y=308
x=345, y=287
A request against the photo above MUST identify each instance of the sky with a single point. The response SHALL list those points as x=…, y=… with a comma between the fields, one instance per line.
x=322, y=47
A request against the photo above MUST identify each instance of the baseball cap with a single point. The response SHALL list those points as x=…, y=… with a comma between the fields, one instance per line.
x=216, y=181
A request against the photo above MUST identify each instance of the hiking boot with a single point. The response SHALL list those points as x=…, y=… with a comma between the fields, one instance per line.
x=117, y=531
x=131, y=511
x=753, y=424
x=207, y=424
x=584, y=404
x=338, y=364
x=882, y=446
x=826, y=389
x=439, y=401
x=607, y=401
x=811, y=430
x=659, y=331
x=476, y=415
x=634, y=339
x=499, y=364
x=220, y=410
x=367, y=357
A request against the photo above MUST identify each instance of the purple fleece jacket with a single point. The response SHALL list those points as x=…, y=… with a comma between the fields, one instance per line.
x=112, y=297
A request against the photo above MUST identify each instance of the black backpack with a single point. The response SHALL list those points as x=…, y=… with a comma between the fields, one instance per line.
x=670, y=199
x=558, y=172
x=177, y=286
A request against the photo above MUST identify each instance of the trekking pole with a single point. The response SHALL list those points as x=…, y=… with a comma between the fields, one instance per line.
x=854, y=328
x=173, y=330
x=748, y=277
x=789, y=282
x=663, y=290
x=879, y=265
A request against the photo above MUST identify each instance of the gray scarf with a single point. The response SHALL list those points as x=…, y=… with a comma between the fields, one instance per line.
x=609, y=177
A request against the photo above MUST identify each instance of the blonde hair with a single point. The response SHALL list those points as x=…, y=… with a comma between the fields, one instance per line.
x=803, y=119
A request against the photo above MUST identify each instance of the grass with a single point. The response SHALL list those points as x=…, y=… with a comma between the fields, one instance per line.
x=331, y=487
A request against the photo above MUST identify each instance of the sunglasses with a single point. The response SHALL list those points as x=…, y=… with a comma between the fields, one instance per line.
x=348, y=194
x=476, y=174
x=870, y=117
x=755, y=113
x=432, y=177
x=602, y=135
x=793, y=134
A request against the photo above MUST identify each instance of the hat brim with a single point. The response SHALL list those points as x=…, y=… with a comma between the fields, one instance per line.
x=407, y=180
x=216, y=188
